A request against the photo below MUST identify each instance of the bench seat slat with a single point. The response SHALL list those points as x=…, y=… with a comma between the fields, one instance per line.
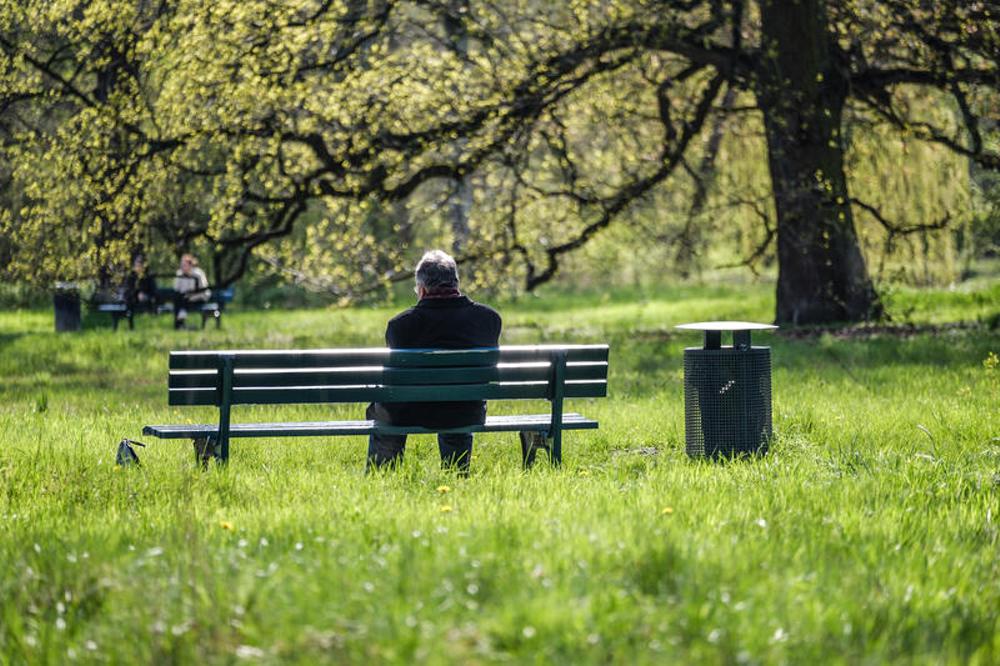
x=441, y=393
x=378, y=375
x=329, y=358
x=536, y=422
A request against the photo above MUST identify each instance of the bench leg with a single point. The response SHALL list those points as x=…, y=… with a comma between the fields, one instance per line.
x=555, y=448
x=214, y=314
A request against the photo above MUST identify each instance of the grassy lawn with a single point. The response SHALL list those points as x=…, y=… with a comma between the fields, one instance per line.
x=868, y=534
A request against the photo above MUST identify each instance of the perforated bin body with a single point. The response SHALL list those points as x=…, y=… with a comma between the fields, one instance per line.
x=727, y=401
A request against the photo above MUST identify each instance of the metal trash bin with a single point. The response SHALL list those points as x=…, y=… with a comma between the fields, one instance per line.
x=727, y=392
x=66, y=301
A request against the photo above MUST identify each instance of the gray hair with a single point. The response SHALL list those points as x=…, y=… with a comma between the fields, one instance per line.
x=437, y=270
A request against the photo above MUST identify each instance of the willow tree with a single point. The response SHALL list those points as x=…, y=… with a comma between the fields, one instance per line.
x=261, y=119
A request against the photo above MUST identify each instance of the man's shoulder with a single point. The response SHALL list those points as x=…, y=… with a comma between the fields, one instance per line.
x=485, y=309
x=406, y=314
x=416, y=313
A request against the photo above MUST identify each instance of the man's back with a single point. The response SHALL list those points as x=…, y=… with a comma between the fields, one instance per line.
x=455, y=322
x=444, y=323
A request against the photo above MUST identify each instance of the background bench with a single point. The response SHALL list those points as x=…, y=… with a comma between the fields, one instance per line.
x=210, y=309
x=227, y=378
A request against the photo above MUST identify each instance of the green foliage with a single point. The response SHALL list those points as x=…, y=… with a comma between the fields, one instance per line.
x=324, y=137
x=981, y=238
x=21, y=295
x=868, y=534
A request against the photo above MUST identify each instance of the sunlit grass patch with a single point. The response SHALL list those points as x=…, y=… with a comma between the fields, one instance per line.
x=868, y=533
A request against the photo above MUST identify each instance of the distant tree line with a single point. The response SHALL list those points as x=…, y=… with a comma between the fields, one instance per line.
x=242, y=124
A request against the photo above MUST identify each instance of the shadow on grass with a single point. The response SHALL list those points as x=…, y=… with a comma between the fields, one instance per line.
x=9, y=338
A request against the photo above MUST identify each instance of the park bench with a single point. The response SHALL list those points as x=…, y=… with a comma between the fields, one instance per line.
x=225, y=379
x=210, y=309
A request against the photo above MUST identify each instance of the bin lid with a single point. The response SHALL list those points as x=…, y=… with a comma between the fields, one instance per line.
x=726, y=326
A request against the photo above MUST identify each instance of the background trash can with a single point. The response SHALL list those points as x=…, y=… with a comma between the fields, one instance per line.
x=67, y=306
x=727, y=392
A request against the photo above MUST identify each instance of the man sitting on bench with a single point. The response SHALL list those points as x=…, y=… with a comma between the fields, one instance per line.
x=442, y=319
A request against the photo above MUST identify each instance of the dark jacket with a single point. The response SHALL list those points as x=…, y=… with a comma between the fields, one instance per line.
x=136, y=284
x=442, y=323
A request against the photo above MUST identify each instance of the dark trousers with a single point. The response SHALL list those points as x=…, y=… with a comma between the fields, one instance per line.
x=387, y=450
x=192, y=300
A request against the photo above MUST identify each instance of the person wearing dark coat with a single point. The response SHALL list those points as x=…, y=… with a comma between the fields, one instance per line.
x=139, y=289
x=443, y=318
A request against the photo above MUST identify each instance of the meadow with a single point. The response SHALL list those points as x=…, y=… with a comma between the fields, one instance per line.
x=868, y=533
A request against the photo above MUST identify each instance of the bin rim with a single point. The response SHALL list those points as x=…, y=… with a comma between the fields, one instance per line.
x=726, y=326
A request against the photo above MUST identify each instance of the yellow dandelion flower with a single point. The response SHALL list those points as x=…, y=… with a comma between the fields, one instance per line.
x=444, y=489
x=226, y=525
x=583, y=472
x=667, y=510
x=445, y=508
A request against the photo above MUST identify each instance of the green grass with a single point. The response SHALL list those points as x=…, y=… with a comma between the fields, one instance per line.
x=869, y=533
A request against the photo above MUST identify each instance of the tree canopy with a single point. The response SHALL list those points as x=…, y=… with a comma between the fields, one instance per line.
x=244, y=124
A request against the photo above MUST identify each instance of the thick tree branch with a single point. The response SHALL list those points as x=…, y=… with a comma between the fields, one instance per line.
x=899, y=230
x=672, y=156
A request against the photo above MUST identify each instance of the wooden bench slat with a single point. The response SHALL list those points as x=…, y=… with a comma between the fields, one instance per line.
x=348, y=376
x=333, y=394
x=536, y=422
x=331, y=358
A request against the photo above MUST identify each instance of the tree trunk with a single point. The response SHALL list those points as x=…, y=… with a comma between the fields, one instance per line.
x=822, y=277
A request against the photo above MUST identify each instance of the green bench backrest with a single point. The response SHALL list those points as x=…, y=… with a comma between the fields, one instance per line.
x=386, y=375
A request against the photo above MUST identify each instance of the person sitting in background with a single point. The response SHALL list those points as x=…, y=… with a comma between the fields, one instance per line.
x=190, y=287
x=140, y=286
x=442, y=319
